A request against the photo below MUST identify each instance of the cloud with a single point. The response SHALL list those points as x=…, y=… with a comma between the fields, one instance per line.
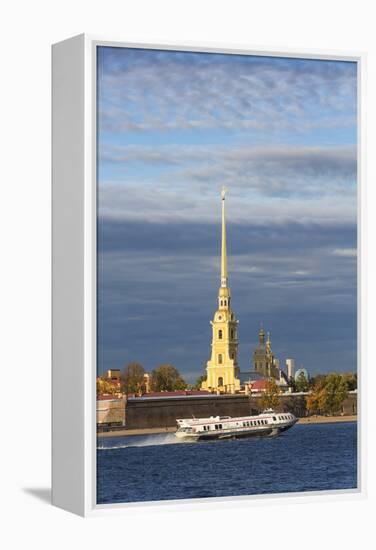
x=268, y=184
x=142, y=90
x=168, y=277
x=345, y=252
x=280, y=134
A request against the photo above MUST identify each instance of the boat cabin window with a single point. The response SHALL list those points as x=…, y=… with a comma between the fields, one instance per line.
x=274, y=418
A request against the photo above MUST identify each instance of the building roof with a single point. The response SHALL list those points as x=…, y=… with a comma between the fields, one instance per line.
x=250, y=376
x=176, y=393
x=258, y=385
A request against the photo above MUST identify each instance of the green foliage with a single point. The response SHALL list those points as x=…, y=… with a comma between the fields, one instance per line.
x=270, y=398
x=291, y=382
x=167, y=378
x=132, y=378
x=335, y=392
x=199, y=381
x=301, y=384
x=351, y=380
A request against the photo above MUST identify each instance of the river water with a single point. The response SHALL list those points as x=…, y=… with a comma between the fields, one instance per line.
x=311, y=457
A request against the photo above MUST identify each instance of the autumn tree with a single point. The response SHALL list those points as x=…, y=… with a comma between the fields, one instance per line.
x=133, y=378
x=167, y=378
x=328, y=394
x=270, y=397
x=105, y=387
x=315, y=401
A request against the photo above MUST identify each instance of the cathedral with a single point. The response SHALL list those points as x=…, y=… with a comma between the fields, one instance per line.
x=264, y=362
x=222, y=370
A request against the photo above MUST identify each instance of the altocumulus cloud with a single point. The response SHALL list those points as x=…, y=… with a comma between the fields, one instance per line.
x=157, y=90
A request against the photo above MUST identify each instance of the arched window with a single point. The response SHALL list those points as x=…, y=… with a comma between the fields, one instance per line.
x=232, y=334
x=220, y=334
x=220, y=381
x=220, y=358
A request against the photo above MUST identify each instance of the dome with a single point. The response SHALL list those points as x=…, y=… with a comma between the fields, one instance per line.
x=299, y=372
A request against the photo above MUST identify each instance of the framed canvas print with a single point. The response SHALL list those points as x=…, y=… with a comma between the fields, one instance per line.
x=206, y=279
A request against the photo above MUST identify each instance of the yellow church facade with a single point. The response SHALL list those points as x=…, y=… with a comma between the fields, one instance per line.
x=222, y=368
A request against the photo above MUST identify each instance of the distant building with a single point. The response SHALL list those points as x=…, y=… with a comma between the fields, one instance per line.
x=110, y=412
x=147, y=383
x=301, y=371
x=264, y=362
x=258, y=386
x=290, y=365
x=114, y=375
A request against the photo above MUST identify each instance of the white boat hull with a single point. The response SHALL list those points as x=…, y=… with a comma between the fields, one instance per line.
x=205, y=429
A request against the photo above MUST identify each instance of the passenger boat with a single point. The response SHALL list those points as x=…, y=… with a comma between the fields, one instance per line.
x=267, y=423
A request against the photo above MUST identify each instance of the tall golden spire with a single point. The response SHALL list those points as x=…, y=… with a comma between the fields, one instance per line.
x=222, y=368
x=224, y=275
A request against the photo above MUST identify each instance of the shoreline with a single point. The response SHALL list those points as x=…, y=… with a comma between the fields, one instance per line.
x=326, y=419
x=172, y=429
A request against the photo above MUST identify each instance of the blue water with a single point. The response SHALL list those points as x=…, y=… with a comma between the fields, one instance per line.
x=314, y=457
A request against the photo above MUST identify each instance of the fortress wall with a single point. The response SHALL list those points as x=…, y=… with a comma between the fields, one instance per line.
x=163, y=412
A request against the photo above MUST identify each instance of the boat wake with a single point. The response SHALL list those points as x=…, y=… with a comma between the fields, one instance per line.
x=139, y=441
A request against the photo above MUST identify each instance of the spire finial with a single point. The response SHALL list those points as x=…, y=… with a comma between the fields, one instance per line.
x=224, y=277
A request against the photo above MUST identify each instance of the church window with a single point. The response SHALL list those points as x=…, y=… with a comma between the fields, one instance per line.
x=232, y=333
x=220, y=358
x=220, y=381
x=220, y=334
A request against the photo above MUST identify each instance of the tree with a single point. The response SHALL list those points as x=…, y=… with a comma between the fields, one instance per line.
x=315, y=401
x=105, y=387
x=133, y=378
x=318, y=380
x=301, y=383
x=291, y=382
x=328, y=394
x=199, y=381
x=335, y=393
x=351, y=380
x=270, y=398
x=167, y=378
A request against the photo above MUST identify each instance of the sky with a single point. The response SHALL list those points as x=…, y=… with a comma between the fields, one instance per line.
x=281, y=135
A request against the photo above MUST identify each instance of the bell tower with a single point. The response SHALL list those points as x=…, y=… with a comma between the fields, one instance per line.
x=222, y=368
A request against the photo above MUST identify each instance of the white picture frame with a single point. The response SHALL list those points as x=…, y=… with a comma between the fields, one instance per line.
x=74, y=276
